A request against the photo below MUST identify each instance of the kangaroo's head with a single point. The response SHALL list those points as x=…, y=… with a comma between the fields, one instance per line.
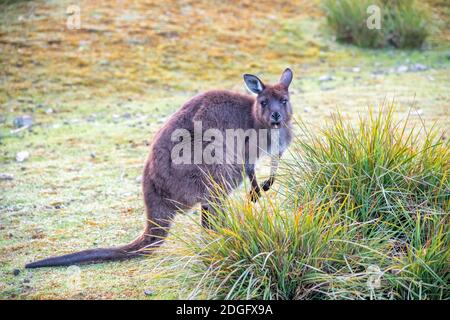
x=272, y=106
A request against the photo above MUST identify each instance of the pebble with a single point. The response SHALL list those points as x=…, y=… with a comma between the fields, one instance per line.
x=378, y=72
x=23, y=121
x=402, y=69
x=6, y=177
x=325, y=78
x=126, y=115
x=91, y=118
x=22, y=156
x=16, y=272
x=418, y=67
x=149, y=292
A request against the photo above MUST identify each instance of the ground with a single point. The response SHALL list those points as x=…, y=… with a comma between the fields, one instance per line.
x=97, y=95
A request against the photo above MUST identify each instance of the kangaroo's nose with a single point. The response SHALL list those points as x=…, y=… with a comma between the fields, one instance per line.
x=276, y=116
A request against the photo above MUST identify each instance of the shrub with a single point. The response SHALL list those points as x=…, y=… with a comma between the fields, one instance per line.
x=404, y=23
x=348, y=21
x=269, y=252
x=363, y=215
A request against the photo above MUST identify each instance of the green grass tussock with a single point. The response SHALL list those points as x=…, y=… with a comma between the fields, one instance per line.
x=382, y=165
x=366, y=217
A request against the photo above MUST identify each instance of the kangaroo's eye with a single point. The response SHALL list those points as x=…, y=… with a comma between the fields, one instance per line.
x=284, y=101
x=264, y=103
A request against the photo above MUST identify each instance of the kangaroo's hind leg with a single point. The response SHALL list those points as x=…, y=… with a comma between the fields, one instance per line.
x=160, y=214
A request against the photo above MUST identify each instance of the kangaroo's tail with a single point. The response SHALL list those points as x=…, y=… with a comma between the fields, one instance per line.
x=131, y=250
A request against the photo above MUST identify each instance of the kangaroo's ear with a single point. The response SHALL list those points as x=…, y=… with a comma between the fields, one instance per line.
x=253, y=83
x=286, y=77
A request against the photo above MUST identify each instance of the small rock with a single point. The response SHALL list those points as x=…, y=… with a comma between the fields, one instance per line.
x=418, y=67
x=325, y=78
x=149, y=292
x=93, y=155
x=135, y=41
x=402, y=69
x=16, y=272
x=91, y=118
x=49, y=111
x=23, y=121
x=126, y=115
x=378, y=72
x=306, y=109
x=356, y=69
x=139, y=179
x=6, y=177
x=417, y=112
x=22, y=156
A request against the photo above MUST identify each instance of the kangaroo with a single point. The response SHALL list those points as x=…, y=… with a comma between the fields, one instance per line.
x=169, y=187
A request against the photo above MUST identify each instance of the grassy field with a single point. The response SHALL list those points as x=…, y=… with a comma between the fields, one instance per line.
x=97, y=96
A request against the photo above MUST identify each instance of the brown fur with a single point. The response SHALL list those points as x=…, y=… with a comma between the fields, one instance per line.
x=169, y=187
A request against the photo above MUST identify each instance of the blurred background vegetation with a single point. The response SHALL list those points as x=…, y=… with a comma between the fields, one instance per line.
x=402, y=24
x=78, y=109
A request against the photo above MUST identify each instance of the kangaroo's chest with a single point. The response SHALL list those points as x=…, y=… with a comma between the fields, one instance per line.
x=278, y=141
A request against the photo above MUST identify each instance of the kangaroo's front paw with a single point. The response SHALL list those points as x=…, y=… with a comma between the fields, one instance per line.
x=267, y=184
x=254, y=194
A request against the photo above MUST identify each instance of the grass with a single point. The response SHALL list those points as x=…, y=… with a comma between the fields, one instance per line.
x=364, y=215
x=109, y=96
x=379, y=163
